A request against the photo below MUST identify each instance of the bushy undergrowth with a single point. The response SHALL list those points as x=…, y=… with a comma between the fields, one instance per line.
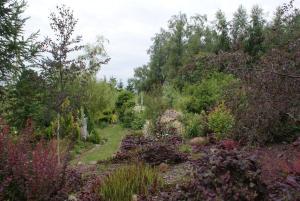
x=157, y=153
x=128, y=181
x=29, y=172
x=220, y=121
x=151, y=151
x=208, y=92
x=219, y=175
x=195, y=124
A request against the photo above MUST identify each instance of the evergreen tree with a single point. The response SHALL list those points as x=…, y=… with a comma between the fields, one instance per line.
x=14, y=48
x=26, y=99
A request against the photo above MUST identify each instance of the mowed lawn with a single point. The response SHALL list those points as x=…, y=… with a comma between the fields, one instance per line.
x=114, y=134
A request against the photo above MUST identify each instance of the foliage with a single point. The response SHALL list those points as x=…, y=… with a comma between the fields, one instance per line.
x=94, y=137
x=170, y=95
x=124, y=107
x=29, y=172
x=185, y=148
x=208, y=92
x=15, y=50
x=195, y=124
x=220, y=121
x=100, y=101
x=138, y=121
x=157, y=153
x=219, y=175
x=254, y=44
x=155, y=105
x=26, y=100
x=128, y=181
x=151, y=151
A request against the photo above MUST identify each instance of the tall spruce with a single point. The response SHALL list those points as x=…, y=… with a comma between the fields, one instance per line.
x=15, y=49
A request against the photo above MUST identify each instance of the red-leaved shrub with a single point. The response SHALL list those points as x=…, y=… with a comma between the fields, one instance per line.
x=27, y=171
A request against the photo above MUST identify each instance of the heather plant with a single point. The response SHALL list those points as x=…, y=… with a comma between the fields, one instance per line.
x=221, y=121
x=128, y=181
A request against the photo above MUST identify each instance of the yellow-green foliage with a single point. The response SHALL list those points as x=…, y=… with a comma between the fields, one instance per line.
x=128, y=181
x=220, y=121
x=185, y=148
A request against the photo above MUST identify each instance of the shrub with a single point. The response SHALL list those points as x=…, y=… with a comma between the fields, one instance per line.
x=94, y=137
x=195, y=124
x=161, y=152
x=185, y=148
x=208, y=92
x=128, y=181
x=150, y=150
x=124, y=107
x=128, y=117
x=220, y=121
x=219, y=175
x=138, y=122
x=29, y=172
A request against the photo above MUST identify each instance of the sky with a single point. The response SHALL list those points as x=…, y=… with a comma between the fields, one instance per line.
x=129, y=25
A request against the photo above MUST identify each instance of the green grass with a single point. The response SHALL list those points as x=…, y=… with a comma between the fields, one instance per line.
x=114, y=135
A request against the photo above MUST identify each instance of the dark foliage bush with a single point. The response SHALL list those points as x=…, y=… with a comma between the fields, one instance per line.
x=157, y=153
x=151, y=150
x=219, y=175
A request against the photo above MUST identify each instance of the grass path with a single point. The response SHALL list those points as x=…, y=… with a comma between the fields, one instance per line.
x=114, y=135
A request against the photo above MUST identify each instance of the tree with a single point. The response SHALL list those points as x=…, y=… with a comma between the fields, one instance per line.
x=239, y=27
x=141, y=78
x=120, y=85
x=130, y=85
x=176, y=44
x=195, y=34
x=15, y=50
x=254, y=42
x=59, y=68
x=26, y=99
x=222, y=28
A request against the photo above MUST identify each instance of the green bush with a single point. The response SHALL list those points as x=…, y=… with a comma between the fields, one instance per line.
x=155, y=105
x=207, y=93
x=95, y=138
x=138, y=121
x=185, y=148
x=195, y=124
x=128, y=181
x=124, y=107
x=128, y=117
x=221, y=121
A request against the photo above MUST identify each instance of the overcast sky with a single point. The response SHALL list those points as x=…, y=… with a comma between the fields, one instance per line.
x=129, y=25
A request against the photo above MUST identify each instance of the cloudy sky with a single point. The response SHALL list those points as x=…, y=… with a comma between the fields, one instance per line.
x=130, y=24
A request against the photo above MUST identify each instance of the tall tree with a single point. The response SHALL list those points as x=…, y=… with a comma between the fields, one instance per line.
x=223, y=31
x=60, y=67
x=15, y=49
x=177, y=28
x=239, y=27
x=254, y=43
x=195, y=35
x=158, y=58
